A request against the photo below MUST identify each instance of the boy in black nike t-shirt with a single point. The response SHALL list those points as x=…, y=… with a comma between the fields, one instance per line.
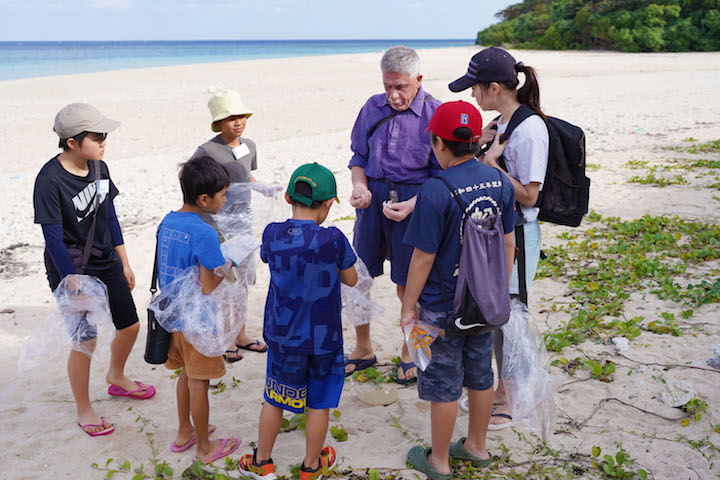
x=68, y=191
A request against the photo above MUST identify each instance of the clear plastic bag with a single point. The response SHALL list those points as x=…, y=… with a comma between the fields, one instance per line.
x=238, y=217
x=358, y=307
x=210, y=322
x=80, y=320
x=525, y=372
x=418, y=338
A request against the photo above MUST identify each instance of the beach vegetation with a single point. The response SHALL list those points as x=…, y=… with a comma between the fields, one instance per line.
x=636, y=164
x=614, y=258
x=652, y=179
x=599, y=370
x=638, y=26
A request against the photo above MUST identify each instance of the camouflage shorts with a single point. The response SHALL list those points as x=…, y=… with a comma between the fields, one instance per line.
x=455, y=361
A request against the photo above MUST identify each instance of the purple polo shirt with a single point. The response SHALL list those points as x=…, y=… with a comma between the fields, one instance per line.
x=400, y=149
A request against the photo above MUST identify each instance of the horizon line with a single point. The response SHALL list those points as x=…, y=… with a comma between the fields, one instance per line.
x=238, y=40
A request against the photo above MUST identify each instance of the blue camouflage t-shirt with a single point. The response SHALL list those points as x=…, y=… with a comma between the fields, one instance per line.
x=185, y=240
x=435, y=222
x=302, y=311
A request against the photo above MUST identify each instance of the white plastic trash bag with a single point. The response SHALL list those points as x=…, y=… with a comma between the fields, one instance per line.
x=525, y=373
x=80, y=320
x=358, y=308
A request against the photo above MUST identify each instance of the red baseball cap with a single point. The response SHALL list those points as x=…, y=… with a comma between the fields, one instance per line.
x=453, y=115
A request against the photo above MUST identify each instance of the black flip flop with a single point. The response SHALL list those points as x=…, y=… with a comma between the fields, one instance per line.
x=248, y=345
x=360, y=364
x=230, y=359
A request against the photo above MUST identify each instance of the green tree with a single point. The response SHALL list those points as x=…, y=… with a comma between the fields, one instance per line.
x=626, y=25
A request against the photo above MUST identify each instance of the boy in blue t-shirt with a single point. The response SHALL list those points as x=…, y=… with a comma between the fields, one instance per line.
x=434, y=232
x=185, y=240
x=303, y=328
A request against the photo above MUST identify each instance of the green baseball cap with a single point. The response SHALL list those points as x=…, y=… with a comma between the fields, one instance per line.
x=320, y=179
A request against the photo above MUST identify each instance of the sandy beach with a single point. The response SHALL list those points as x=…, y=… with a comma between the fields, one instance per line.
x=631, y=106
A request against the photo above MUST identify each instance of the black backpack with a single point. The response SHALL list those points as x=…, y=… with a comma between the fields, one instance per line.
x=566, y=190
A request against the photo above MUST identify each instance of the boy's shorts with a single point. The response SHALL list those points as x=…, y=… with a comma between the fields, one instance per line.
x=373, y=233
x=122, y=305
x=296, y=381
x=197, y=366
x=455, y=361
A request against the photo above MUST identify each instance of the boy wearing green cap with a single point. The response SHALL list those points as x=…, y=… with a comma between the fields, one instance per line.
x=303, y=329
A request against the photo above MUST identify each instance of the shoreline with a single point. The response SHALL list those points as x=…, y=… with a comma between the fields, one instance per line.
x=339, y=56
x=247, y=50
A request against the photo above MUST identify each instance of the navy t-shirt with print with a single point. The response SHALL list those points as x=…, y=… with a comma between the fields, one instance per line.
x=61, y=198
x=184, y=240
x=435, y=223
x=302, y=311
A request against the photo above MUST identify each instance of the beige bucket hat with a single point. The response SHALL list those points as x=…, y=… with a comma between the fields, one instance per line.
x=226, y=104
x=81, y=117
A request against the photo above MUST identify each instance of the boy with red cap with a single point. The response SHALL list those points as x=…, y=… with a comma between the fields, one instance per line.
x=435, y=232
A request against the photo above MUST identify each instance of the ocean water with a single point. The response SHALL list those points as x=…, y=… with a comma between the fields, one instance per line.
x=40, y=59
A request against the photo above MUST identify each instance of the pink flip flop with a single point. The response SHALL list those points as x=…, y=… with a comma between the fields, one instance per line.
x=174, y=447
x=107, y=430
x=116, y=391
x=219, y=452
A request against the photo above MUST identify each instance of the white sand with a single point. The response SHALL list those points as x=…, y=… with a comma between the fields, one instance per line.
x=628, y=104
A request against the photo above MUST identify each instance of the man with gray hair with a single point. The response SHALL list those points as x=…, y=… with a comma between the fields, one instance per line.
x=392, y=157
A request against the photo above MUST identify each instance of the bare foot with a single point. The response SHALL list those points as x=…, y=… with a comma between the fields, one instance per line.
x=230, y=446
x=357, y=355
x=480, y=453
x=184, y=436
x=441, y=468
x=126, y=384
x=94, y=423
x=496, y=417
x=245, y=342
x=410, y=373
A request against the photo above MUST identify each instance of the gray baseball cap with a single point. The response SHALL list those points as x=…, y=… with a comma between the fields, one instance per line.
x=81, y=117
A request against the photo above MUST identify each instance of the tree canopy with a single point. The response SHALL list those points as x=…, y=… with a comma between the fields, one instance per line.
x=626, y=25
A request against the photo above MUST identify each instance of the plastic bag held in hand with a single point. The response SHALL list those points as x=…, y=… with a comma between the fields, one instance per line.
x=80, y=315
x=528, y=383
x=210, y=322
x=267, y=189
x=358, y=308
x=418, y=337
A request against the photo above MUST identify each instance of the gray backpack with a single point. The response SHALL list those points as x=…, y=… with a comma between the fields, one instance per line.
x=482, y=294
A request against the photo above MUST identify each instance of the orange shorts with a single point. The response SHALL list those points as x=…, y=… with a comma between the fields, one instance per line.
x=197, y=366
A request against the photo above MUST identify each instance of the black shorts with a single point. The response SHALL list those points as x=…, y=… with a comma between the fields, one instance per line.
x=122, y=305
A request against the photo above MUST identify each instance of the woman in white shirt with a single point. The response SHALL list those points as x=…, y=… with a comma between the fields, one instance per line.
x=493, y=77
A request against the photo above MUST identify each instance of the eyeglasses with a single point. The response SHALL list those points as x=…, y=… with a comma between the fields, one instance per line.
x=98, y=137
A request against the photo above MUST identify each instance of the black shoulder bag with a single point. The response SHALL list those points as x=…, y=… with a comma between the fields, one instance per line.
x=158, y=339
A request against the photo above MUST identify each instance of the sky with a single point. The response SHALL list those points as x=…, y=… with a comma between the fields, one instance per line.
x=58, y=20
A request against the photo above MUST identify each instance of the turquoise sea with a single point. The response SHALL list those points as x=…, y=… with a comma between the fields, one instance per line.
x=40, y=59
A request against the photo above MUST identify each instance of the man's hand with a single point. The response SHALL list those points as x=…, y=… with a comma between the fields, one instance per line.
x=399, y=211
x=361, y=197
x=129, y=276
